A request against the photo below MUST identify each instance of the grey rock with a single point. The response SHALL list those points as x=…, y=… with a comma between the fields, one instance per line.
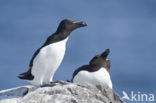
x=70, y=93
x=13, y=95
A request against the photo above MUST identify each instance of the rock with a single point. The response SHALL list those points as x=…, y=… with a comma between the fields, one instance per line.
x=13, y=95
x=62, y=93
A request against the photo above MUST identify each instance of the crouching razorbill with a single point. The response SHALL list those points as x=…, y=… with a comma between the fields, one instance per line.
x=49, y=56
x=96, y=72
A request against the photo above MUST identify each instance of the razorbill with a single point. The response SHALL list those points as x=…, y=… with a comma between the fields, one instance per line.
x=49, y=56
x=96, y=72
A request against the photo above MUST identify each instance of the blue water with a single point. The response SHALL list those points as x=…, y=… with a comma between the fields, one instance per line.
x=126, y=27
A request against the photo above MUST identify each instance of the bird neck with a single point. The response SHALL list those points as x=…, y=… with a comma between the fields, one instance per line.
x=94, y=68
x=63, y=34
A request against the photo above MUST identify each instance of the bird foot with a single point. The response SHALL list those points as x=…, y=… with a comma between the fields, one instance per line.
x=51, y=84
x=47, y=85
x=58, y=82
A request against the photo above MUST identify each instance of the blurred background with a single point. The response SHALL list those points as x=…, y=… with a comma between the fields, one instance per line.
x=126, y=27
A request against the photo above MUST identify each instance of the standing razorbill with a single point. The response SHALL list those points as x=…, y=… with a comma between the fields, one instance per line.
x=97, y=72
x=48, y=57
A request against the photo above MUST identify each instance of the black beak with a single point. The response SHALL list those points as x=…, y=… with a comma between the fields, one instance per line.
x=105, y=53
x=81, y=24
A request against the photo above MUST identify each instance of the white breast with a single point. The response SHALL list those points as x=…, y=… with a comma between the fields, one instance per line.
x=99, y=77
x=47, y=61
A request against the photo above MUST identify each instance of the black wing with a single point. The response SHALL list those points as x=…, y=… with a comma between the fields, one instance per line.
x=48, y=41
x=85, y=67
x=28, y=75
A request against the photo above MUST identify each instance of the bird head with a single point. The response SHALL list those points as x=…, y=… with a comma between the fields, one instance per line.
x=101, y=60
x=68, y=25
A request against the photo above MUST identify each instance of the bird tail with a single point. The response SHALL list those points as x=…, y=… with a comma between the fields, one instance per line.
x=26, y=76
x=69, y=81
x=23, y=73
